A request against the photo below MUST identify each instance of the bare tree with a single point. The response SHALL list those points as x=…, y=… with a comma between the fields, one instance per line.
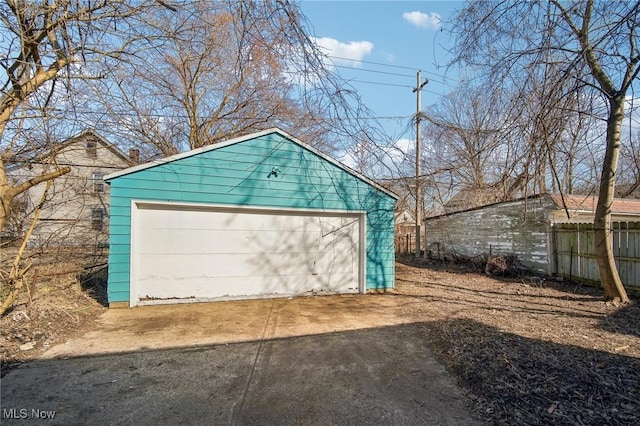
x=466, y=135
x=220, y=69
x=577, y=153
x=47, y=46
x=214, y=75
x=595, y=45
x=184, y=76
x=467, y=148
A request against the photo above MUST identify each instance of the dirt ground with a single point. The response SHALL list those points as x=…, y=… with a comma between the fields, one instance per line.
x=530, y=351
x=526, y=350
x=62, y=300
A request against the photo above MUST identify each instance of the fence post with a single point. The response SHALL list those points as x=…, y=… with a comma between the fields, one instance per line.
x=571, y=264
x=553, y=250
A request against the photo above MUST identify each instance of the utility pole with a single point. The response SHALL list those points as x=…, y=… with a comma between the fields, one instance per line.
x=418, y=91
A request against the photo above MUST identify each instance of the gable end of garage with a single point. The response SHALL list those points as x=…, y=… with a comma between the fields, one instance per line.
x=247, y=179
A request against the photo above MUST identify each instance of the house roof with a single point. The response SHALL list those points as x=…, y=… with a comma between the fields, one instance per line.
x=587, y=204
x=403, y=212
x=91, y=132
x=58, y=147
x=240, y=139
x=468, y=198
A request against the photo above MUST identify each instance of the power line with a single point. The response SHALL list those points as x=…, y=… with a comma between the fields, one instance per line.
x=393, y=74
x=393, y=85
x=374, y=71
x=373, y=63
x=381, y=84
x=387, y=65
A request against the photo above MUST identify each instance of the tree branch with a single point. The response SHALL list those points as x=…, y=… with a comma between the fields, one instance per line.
x=38, y=179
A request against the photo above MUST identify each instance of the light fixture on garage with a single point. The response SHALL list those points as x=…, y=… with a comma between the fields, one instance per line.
x=274, y=172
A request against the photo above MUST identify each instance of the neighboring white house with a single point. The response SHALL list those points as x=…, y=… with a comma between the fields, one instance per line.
x=405, y=222
x=77, y=206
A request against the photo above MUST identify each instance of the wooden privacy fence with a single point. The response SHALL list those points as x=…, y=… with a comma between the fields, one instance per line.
x=575, y=254
x=406, y=244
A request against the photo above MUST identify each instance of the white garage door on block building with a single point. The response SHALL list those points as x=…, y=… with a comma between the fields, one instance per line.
x=188, y=253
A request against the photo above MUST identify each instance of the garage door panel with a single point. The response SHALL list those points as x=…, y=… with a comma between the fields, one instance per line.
x=215, y=220
x=224, y=265
x=312, y=235
x=252, y=263
x=342, y=244
x=202, y=288
x=226, y=241
x=186, y=254
x=163, y=266
x=339, y=262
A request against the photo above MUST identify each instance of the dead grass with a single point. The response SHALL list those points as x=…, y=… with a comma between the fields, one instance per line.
x=529, y=350
x=55, y=305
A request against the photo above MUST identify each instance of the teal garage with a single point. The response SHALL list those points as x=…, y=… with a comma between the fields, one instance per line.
x=263, y=215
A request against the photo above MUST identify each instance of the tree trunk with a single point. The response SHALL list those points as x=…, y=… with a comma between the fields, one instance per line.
x=613, y=288
x=17, y=276
x=5, y=190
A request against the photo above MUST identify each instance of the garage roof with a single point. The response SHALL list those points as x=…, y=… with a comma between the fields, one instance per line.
x=588, y=204
x=240, y=139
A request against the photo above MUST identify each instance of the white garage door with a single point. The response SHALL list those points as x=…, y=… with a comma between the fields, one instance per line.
x=190, y=253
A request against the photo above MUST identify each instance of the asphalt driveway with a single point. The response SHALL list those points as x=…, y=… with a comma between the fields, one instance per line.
x=323, y=360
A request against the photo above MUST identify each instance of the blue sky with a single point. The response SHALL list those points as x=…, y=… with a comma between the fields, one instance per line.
x=397, y=37
x=382, y=39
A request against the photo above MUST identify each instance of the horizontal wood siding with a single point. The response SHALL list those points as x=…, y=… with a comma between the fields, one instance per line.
x=516, y=228
x=269, y=171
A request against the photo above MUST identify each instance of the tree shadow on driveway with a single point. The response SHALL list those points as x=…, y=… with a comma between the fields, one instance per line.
x=383, y=375
x=378, y=375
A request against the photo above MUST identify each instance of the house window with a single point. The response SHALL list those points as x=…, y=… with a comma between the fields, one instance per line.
x=97, y=218
x=98, y=182
x=92, y=149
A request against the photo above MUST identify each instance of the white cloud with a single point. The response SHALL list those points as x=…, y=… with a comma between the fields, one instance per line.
x=400, y=149
x=395, y=158
x=381, y=161
x=352, y=51
x=423, y=20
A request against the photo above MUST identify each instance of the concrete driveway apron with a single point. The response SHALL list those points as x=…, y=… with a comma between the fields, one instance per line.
x=350, y=359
